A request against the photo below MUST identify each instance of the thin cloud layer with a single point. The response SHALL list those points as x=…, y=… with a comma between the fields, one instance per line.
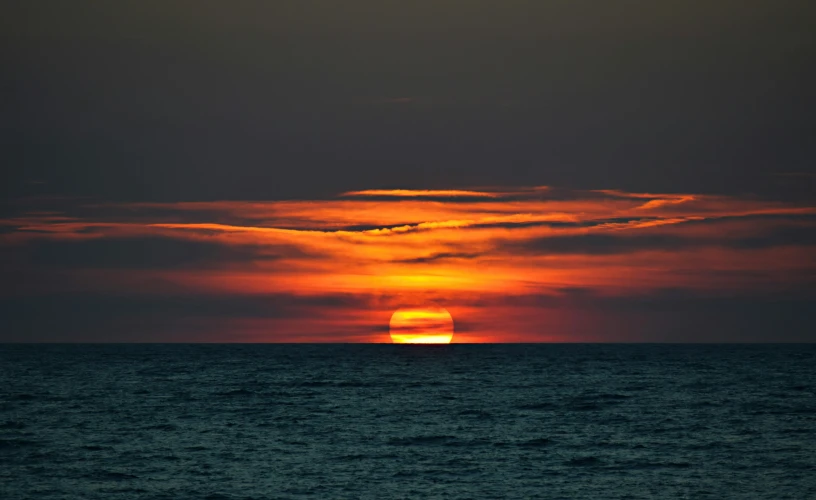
x=506, y=262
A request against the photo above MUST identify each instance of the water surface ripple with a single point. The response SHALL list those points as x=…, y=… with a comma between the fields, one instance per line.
x=388, y=421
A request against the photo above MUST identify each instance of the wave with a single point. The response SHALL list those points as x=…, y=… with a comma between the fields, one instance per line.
x=12, y=444
x=94, y=447
x=13, y=424
x=23, y=397
x=583, y=462
x=161, y=427
x=106, y=475
x=422, y=440
x=537, y=406
x=536, y=443
x=235, y=393
x=475, y=413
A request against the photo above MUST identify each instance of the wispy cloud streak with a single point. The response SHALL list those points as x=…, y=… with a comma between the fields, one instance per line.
x=462, y=248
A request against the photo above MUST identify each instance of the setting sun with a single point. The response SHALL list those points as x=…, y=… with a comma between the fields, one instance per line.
x=421, y=325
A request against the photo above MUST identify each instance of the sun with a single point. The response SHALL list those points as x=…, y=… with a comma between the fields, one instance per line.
x=421, y=325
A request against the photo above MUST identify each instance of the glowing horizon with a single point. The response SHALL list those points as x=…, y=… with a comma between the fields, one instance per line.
x=515, y=264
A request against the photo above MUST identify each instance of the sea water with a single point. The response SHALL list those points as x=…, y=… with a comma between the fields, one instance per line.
x=389, y=421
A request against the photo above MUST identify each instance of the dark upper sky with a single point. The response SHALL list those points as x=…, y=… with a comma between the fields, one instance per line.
x=678, y=136
x=169, y=100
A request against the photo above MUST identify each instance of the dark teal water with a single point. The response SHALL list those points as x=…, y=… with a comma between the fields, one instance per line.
x=387, y=421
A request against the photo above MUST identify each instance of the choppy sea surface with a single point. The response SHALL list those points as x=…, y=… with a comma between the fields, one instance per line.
x=401, y=421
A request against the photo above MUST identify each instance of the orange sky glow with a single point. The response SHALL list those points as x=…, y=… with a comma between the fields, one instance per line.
x=509, y=264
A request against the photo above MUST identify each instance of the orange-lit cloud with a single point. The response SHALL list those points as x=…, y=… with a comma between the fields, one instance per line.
x=414, y=193
x=481, y=253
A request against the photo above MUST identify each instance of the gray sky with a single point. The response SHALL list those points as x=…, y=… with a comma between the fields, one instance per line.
x=256, y=100
x=109, y=106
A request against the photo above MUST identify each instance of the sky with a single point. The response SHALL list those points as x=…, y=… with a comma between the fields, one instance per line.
x=295, y=171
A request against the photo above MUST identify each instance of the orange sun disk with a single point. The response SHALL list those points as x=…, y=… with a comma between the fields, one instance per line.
x=421, y=325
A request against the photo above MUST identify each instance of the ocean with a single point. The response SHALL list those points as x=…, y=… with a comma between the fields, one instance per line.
x=564, y=421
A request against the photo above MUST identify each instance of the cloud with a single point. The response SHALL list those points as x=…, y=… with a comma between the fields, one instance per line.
x=136, y=317
x=564, y=248
x=420, y=193
x=486, y=194
x=146, y=252
x=661, y=202
x=602, y=244
x=440, y=256
x=616, y=242
x=782, y=236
